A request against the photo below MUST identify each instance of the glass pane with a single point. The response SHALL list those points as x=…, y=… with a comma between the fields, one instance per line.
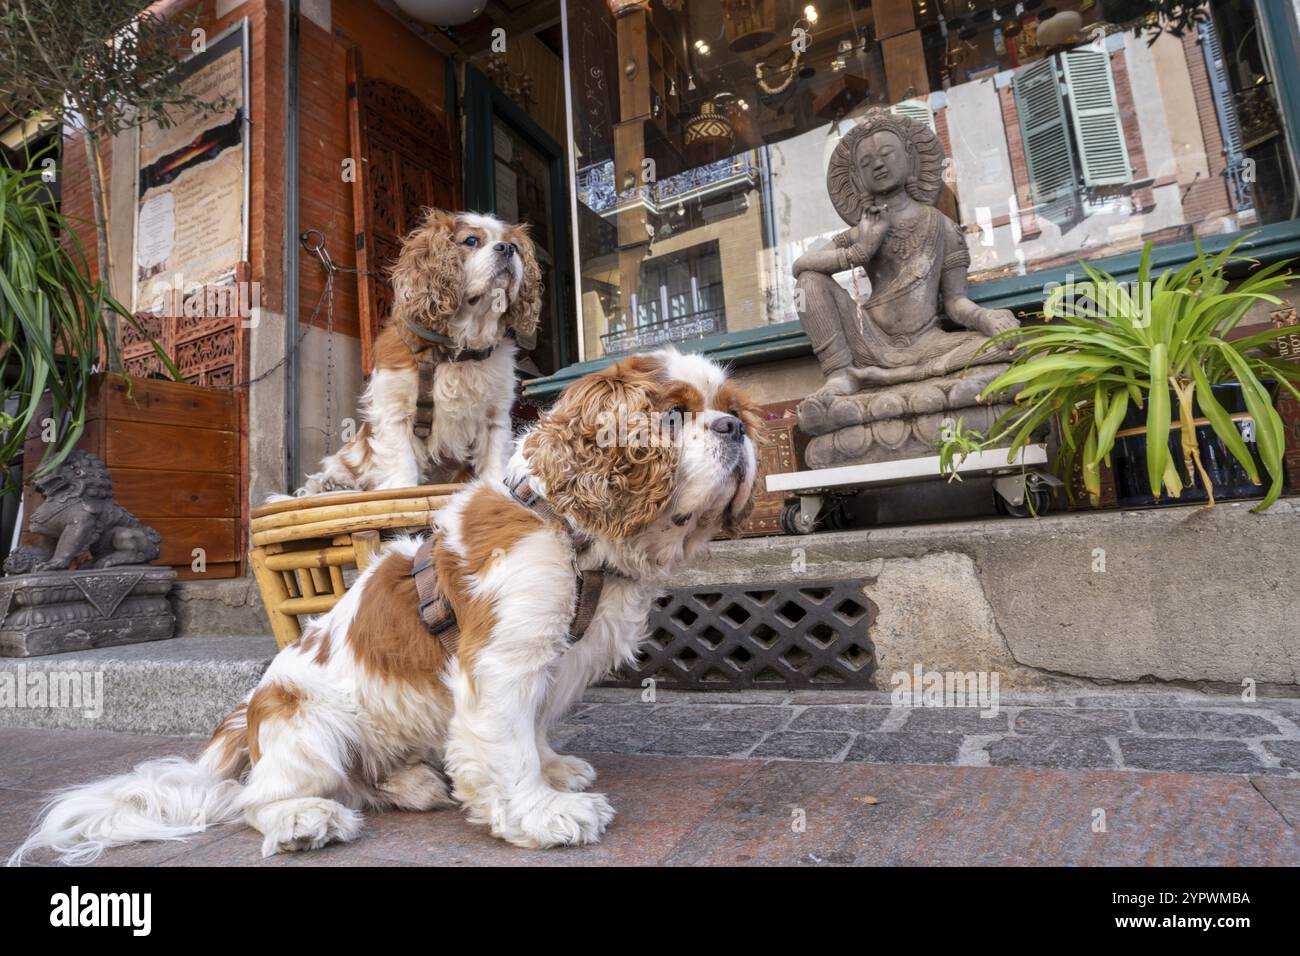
x=704, y=133
x=523, y=194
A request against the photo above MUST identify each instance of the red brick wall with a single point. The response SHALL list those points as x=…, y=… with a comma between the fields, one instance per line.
x=1019, y=168
x=1143, y=198
x=324, y=199
x=76, y=205
x=1208, y=196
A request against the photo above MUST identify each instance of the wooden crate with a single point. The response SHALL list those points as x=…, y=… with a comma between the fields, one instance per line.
x=176, y=458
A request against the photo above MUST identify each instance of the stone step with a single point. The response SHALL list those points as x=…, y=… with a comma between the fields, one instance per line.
x=178, y=686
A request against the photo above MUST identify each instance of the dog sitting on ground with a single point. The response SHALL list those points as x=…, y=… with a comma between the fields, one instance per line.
x=437, y=405
x=547, y=578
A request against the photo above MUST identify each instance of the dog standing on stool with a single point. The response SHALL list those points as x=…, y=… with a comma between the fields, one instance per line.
x=438, y=401
x=536, y=586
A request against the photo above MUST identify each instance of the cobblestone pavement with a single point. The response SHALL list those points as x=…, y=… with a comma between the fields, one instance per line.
x=1070, y=729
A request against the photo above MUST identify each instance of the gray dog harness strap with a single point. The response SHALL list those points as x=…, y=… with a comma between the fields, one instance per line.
x=436, y=612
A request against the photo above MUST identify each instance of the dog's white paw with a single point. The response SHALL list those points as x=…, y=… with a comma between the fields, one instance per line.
x=417, y=787
x=566, y=772
x=560, y=819
x=307, y=823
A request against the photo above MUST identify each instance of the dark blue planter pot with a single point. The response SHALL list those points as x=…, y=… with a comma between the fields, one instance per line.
x=1129, y=458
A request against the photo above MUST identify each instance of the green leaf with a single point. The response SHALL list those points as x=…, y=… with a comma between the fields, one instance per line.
x=1158, y=418
x=1223, y=424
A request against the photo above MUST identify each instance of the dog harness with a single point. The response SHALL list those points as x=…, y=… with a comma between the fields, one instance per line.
x=436, y=612
x=439, y=348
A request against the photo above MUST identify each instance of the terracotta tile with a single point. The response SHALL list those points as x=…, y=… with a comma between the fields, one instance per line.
x=658, y=799
x=975, y=816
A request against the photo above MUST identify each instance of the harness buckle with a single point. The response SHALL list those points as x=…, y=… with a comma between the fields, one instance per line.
x=528, y=497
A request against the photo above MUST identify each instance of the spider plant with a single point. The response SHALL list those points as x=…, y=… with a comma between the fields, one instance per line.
x=956, y=443
x=1138, y=346
x=53, y=320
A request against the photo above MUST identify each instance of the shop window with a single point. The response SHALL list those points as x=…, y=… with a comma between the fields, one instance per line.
x=708, y=126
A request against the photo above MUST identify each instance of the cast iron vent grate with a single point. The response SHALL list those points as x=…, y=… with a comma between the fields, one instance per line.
x=727, y=637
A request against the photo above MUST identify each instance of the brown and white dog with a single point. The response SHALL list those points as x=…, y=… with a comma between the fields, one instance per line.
x=462, y=283
x=369, y=710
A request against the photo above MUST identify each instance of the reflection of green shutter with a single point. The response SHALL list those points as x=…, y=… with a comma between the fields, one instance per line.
x=1048, y=152
x=918, y=110
x=1098, y=127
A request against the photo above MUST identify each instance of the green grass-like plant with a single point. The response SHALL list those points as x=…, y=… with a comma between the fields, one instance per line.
x=1133, y=346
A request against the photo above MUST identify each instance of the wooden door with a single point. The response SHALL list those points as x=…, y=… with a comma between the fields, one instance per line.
x=406, y=162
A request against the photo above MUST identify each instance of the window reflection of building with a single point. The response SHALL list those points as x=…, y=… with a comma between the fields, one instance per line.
x=1090, y=146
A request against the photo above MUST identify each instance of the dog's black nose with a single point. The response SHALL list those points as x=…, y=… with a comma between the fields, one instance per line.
x=729, y=426
x=506, y=249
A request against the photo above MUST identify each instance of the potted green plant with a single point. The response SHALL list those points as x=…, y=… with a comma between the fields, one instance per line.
x=1146, y=370
x=53, y=325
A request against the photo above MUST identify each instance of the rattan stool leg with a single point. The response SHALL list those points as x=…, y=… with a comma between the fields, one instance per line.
x=366, y=546
x=274, y=594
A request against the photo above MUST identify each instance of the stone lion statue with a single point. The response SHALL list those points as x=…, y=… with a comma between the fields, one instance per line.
x=80, y=515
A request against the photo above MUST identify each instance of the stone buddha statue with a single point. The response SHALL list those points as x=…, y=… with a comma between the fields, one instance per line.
x=893, y=372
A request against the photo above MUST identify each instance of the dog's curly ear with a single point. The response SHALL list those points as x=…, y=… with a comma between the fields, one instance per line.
x=428, y=277
x=525, y=312
x=597, y=472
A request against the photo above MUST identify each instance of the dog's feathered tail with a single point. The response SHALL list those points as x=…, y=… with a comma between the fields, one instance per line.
x=165, y=799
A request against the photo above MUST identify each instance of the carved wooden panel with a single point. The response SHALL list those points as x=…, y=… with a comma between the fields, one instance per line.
x=778, y=453
x=406, y=164
x=202, y=333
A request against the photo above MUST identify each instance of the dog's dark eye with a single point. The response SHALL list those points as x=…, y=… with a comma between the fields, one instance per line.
x=471, y=241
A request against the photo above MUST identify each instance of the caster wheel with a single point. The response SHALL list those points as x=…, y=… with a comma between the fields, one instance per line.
x=1040, y=498
x=792, y=521
x=836, y=518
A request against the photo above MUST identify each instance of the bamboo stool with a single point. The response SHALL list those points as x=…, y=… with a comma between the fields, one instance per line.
x=301, y=547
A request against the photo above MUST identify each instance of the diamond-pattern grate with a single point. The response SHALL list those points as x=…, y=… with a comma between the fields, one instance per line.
x=729, y=637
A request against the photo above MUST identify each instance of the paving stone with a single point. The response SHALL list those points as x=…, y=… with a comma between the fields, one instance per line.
x=803, y=745
x=750, y=717
x=701, y=810
x=704, y=743
x=903, y=747
x=609, y=738
x=1204, y=723
x=1196, y=756
x=955, y=720
x=960, y=816
x=657, y=801
x=1133, y=700
x=840, y=718
x=1073, y=721
x=863, y=698
x=612, y=714
x=1282, y=795
x=1065, y=752
x=1286, y=751
x=674, y=716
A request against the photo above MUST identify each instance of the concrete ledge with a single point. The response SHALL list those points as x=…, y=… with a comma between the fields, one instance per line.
x=164, y=687
x=221, y=608
x=1182, y=595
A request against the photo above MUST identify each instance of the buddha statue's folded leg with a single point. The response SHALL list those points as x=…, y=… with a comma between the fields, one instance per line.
x=828, y=315
x=948, y=352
